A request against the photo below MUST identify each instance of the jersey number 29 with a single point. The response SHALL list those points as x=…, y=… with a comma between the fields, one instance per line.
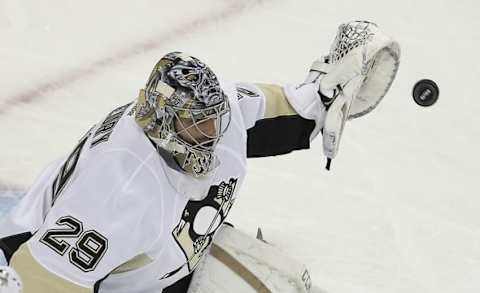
x=89, y=248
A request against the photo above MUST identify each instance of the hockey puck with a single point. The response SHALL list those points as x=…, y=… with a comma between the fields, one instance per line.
x=425, y=92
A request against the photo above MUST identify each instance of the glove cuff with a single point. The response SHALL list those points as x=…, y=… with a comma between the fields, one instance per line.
x=306, y=101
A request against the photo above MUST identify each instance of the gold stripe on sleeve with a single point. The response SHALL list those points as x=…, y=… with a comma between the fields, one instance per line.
x=36, y=279
x=276, y=103
x=133, y=264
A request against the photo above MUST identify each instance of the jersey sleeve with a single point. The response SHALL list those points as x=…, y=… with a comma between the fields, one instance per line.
x=279, y=119
x=29, y=213
x=103, y=218
x=18, y=225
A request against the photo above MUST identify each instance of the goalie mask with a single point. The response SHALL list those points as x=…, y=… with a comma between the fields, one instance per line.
x=184, y=111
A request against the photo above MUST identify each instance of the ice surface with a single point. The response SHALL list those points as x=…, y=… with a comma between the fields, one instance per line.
x=8, y=199
x=399, y=210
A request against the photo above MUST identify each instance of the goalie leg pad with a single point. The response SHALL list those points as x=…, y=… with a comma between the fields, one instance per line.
x=239, y=263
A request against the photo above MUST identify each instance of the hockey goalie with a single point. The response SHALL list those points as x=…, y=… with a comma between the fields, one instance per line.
x=140, y=202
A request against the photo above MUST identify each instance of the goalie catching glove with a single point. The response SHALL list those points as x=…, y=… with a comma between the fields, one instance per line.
x=353, y=78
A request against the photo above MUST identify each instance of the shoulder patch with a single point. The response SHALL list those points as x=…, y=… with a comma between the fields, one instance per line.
x=244, y=92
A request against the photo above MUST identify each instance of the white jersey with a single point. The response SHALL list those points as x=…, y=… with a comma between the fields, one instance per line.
x=114, y=217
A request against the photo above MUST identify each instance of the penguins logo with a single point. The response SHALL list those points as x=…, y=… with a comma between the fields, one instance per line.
x=201, y=219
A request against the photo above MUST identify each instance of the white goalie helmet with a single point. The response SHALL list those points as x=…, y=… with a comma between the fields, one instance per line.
x=184, y=111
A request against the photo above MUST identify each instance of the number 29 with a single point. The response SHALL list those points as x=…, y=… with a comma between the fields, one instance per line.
x=89, y=248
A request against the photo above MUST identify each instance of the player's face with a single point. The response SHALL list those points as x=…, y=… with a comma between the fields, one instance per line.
x=194, y=133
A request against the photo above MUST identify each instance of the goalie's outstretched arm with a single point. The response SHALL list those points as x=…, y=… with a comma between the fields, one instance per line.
x=347, y=83
x=279, y=119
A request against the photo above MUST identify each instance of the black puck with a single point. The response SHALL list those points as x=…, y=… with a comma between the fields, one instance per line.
x=425, y=92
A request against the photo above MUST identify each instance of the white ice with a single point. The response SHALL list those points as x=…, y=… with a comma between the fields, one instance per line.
x=399, y=212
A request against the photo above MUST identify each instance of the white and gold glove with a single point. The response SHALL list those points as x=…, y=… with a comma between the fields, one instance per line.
x=353, y=78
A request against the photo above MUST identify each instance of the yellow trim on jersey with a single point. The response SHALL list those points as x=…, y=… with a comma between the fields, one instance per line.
x=276, y=103
x=36, y=279
x=135, y=263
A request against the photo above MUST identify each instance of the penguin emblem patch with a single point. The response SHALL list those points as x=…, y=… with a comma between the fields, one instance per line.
x=201, y=219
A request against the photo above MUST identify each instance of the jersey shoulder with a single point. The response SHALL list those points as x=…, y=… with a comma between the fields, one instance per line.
x=119, y=131
x=246, y=98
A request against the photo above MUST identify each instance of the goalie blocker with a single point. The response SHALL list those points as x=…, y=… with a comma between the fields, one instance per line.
x=239, y=263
